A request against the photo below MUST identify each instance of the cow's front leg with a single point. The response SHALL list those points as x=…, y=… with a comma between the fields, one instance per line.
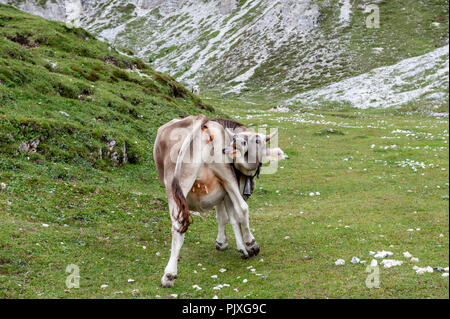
x=250, y=242
x=241, y=218
x=236, y=226
x=238, y=212
x=222, y=220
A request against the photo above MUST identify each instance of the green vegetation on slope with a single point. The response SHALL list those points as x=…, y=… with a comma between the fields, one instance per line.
x=77, y=119
x=77, y=94
x=65, y=205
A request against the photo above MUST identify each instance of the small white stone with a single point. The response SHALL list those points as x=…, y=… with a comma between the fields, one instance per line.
x=374, y=263
x=214, y=276
x=215, y=297
x=407, y=254
x=197, y=287
x=445, y=274
x=45, y=225
x=355, y=260
x=287, y=237
x=388, y=263
x=144, y=247
x=104, y=286
x=311, y=194
x=222, y=270
x=174, y=295
x=339, y=262
x=130, y=280
x=383, y=254
x=414, y=260
x=423, y=270
x=158, y=253
x=244, y=281
x=3, y=186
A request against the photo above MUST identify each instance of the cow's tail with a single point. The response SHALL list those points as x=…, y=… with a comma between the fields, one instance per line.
x=184, y=217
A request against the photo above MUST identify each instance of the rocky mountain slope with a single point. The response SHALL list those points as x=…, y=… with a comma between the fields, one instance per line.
x=279, y=48
x=423, y=78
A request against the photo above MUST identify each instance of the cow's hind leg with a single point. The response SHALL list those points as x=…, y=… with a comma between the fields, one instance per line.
x=222, y=220
x=170, y=273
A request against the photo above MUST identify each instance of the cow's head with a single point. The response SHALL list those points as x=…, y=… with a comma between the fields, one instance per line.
x=247, y=149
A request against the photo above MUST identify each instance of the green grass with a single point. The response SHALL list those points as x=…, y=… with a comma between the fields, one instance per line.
x=100, y=214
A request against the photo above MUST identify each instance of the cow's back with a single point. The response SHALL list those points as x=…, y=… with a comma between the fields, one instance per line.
x=164, y=144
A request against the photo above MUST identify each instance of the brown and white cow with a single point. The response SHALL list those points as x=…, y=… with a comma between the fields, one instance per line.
x=205, y=163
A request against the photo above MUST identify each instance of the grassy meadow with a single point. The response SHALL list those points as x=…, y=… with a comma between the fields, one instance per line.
x=379, y=180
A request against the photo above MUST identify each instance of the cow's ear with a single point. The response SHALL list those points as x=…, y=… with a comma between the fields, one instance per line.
x=229, y=132
x=275, y=154
x=268, y=137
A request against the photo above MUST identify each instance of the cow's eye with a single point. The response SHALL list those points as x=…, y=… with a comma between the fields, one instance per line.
x=258, y=141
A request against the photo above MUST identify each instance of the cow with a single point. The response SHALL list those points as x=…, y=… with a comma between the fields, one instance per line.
x=196, y=89
x=205, y=163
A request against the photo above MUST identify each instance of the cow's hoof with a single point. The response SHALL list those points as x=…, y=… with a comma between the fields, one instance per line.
x=168, y=280
x=221, y=246
x=244, y=254
x=252, y=248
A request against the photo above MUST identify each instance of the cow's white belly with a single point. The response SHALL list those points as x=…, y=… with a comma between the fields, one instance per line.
x=206, y=192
